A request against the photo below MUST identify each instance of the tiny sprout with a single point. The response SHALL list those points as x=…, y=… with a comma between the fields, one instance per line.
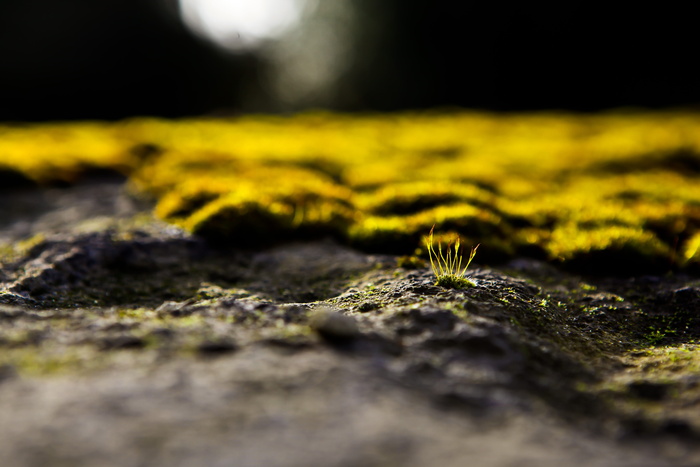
x=448, y=266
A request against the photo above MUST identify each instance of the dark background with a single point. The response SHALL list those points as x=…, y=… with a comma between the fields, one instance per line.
x=110, y=59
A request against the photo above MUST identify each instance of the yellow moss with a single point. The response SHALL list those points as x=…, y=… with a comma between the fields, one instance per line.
x=447, y=264
x=569, y=241
x=60, y=151
x=550, y=183
x=691, y=253
x=412, y=197
x=266, y=215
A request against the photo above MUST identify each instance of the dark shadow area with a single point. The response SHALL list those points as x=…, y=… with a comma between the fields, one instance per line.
x=529, y=55
x=80, y=59
x=98, y=200
x=100, y=269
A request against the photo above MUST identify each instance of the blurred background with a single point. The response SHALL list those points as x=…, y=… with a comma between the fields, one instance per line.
x=111, y=59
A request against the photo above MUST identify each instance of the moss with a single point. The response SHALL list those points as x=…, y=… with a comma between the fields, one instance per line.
x=655, y=384
x=452, y=281
x=410, y=262
x=13, y=251
x=608, y=249
x=62, y=152
x=691, y=253
x=587, y=190
x=45, y=361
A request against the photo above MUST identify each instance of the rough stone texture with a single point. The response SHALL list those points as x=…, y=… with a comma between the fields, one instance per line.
x=129, y=343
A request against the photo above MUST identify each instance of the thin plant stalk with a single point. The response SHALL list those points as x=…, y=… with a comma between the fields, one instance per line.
x=447, y=266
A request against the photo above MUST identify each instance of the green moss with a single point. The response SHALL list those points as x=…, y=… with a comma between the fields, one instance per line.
x=410, y=262
x=34, y=361
x=452, y=281
x=13, y=251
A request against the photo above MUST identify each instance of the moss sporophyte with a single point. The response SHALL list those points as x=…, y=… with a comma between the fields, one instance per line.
x=448, y=266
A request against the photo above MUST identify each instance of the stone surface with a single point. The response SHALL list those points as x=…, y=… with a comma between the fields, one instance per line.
x=126, y=342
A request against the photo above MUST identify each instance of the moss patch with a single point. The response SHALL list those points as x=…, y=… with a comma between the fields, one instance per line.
x=613, y=190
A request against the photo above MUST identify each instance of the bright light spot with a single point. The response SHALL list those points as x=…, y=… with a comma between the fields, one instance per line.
x=241, y=24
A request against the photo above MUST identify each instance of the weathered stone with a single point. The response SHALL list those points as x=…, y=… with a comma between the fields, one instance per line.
x=319, y=341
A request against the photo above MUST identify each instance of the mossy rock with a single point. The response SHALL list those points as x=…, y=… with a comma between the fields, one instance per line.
x=549, y=185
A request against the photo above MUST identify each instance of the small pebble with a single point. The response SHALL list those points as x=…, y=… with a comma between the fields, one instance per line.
x=334, y=326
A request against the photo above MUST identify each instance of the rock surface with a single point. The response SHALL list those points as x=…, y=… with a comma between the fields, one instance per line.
x=124, y=342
